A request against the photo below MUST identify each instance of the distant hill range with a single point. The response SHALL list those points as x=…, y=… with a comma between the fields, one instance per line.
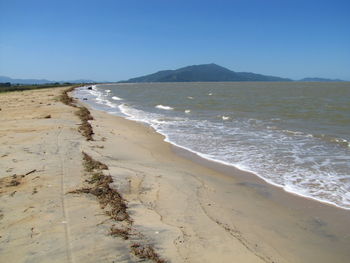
x=196, y=73
x=320, y=80
x=203, y=73
x=40, y=81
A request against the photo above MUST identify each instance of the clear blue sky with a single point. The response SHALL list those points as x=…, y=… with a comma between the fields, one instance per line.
x=114, y=40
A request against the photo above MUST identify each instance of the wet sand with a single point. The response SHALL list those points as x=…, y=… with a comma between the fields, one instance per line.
x=189, y=209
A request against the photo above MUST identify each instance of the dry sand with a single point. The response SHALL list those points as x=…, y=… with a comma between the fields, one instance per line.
x=190, y=210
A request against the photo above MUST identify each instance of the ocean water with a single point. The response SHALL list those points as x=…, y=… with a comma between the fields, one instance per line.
x=293, y=135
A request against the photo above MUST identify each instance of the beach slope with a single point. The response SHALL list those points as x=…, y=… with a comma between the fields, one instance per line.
x=183, y=209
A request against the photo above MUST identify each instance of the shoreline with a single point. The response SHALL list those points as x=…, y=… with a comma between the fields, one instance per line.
x=280, y=193
x=324, y=220
x=225, y=167
x=207, y=161
x=188, y=210
x=229, y=169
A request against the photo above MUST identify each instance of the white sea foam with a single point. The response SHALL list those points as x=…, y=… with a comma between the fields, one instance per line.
x=107, y=90
x=291, y=132
x=210, y=94
x=100, y=98
x=116, y=98
x=110, y=104
x=162, y=107
x=190, y=98
x=225, y=118
x=124, y=109
x=187, y=111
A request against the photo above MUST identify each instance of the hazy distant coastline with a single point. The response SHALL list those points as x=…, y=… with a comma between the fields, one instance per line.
x=213, y=73
x=4, y=79
x=195, y=73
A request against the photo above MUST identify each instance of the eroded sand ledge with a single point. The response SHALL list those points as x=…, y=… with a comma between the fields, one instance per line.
x=189, y=212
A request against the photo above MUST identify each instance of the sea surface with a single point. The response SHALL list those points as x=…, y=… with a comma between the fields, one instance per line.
x=293, y=135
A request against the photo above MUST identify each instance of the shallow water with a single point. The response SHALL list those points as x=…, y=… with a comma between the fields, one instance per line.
x=294, y=135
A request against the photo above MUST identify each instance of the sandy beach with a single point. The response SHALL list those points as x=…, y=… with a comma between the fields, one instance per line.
x=186, y=208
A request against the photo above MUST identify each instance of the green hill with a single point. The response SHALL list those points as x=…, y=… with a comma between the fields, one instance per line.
x=203, y=73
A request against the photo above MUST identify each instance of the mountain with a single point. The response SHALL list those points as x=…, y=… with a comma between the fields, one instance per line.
x=24, y=81
x=205, y=72
x=39, y=81
x=320, y=80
